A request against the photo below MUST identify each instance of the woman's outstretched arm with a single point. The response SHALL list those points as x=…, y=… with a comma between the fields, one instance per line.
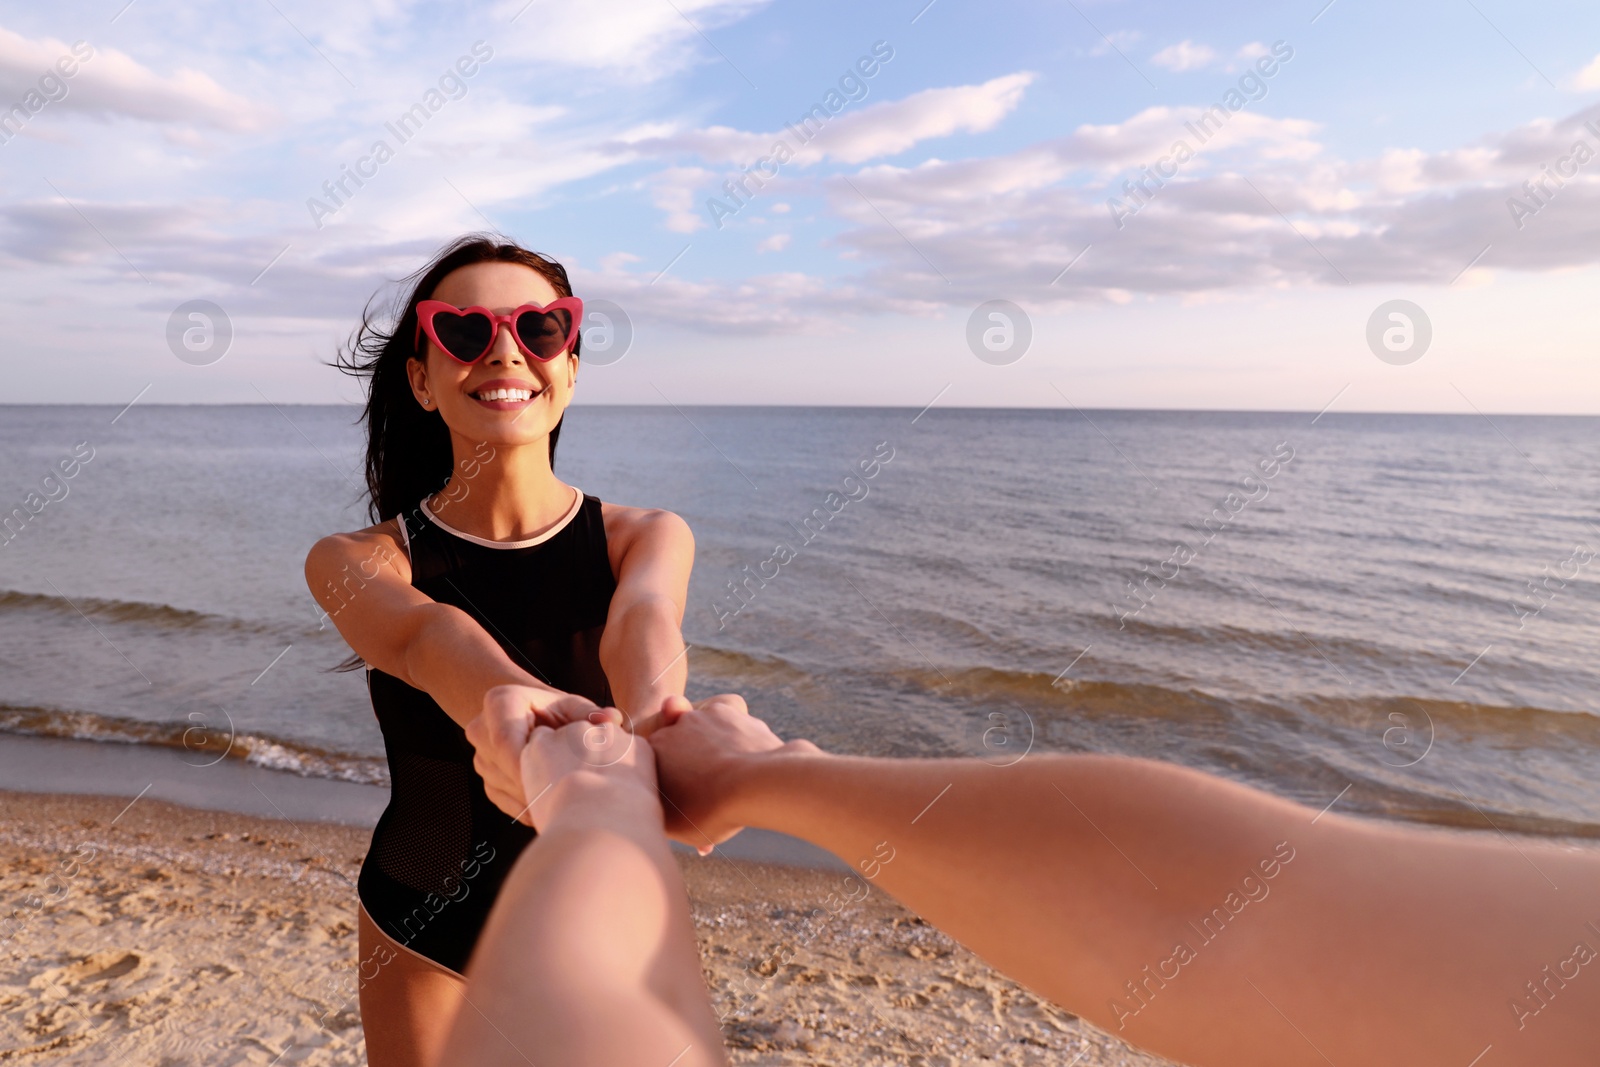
x=1198, y=918
x=641, y=647
x=589, y=957
x=363, y=581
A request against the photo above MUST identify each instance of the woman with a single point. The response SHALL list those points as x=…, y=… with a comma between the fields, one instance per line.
x=487, y=583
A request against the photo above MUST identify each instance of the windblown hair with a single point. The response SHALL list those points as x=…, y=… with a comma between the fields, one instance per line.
x=408, y=446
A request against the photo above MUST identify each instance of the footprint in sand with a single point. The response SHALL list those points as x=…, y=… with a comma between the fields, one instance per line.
x=102, y=967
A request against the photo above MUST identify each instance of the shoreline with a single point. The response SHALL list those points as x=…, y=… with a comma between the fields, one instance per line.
x=157, y=931
x=79, y=767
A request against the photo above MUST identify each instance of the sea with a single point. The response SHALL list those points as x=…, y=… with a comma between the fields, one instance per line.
x=1380, y=614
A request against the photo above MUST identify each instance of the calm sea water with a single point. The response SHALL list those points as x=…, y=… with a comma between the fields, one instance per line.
x=1401, y=605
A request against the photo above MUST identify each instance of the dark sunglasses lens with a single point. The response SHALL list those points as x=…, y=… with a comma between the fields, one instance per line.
x=463, y=336
x=545, y=334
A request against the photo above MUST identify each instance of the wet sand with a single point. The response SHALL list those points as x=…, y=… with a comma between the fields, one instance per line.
x=155, y=933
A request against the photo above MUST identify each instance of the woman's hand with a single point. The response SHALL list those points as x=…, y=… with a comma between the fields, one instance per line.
x=502, y=729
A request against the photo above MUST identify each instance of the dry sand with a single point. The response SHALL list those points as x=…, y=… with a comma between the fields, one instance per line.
x=169, y=936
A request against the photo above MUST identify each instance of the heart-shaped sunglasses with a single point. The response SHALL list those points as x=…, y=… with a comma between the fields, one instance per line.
x=465, y=334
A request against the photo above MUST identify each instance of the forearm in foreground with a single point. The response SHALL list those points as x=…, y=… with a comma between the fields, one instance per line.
x=1211, y=922
x=589, y=956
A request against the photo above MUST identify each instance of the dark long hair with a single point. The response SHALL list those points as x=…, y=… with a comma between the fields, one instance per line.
x=408, y=446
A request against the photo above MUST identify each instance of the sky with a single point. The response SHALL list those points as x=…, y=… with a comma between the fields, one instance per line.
x=821, y=203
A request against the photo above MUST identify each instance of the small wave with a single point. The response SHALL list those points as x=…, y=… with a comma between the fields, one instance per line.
x=130, y=611
x=744, y=668
x=1462, y=815
x=1523, y=767
x=1091, y=695
x=204, y=743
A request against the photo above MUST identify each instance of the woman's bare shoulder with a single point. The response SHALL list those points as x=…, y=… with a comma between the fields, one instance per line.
x=644, y=534
x=626, y=523
x=382, y=545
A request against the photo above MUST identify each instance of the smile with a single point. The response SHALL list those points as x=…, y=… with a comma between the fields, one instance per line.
x=514, y=395
x=506, y=395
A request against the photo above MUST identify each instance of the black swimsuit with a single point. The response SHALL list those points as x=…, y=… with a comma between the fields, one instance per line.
x=441, y=849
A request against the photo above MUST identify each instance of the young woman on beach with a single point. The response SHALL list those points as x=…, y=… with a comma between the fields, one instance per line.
x=486, y=582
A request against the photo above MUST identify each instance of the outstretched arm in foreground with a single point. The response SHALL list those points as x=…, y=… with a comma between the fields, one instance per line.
x=1198, y=918
x=589, y=957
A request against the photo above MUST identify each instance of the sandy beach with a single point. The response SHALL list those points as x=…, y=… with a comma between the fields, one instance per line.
x=160, y=934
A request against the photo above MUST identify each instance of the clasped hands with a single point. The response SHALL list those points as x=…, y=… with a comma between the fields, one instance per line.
x=528, y=749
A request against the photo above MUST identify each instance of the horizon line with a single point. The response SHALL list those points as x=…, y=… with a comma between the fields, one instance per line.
x=841, y=407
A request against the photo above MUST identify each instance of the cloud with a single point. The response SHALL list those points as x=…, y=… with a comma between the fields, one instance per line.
x=112, y=84
x=673, y=191
x=1260, y=207
x=632, y=40
x=876, y=130
x=1589, y=77
x=1185, y=55
x=1263, y=205
x=892, y=127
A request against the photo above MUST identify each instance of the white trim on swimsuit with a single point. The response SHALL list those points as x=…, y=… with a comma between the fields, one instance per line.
x=435, y=964
x=572, y=513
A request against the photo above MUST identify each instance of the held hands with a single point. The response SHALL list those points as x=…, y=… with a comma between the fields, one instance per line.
x=701, y=751
x=504, y=727
x=695, y=755
x=565, y=767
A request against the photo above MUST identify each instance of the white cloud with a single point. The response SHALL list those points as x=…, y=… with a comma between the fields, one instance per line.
x=673, y=191
x=962, y=231
x=112, y=83
x=632, y=40
x=1589, y=77
x=1009, y=224
x=883, y=129
x=1185, y=55
x=876, y=130
x=994, y=225
x=889, y=128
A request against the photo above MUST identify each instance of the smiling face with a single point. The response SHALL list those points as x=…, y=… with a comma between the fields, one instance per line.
x=504, y=397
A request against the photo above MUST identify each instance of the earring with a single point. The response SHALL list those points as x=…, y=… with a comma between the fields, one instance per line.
x=427, y=402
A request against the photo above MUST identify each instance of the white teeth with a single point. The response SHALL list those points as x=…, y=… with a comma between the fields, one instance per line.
x=506, y=394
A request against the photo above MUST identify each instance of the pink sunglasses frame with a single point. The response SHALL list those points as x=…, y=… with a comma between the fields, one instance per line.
x=427, y=309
